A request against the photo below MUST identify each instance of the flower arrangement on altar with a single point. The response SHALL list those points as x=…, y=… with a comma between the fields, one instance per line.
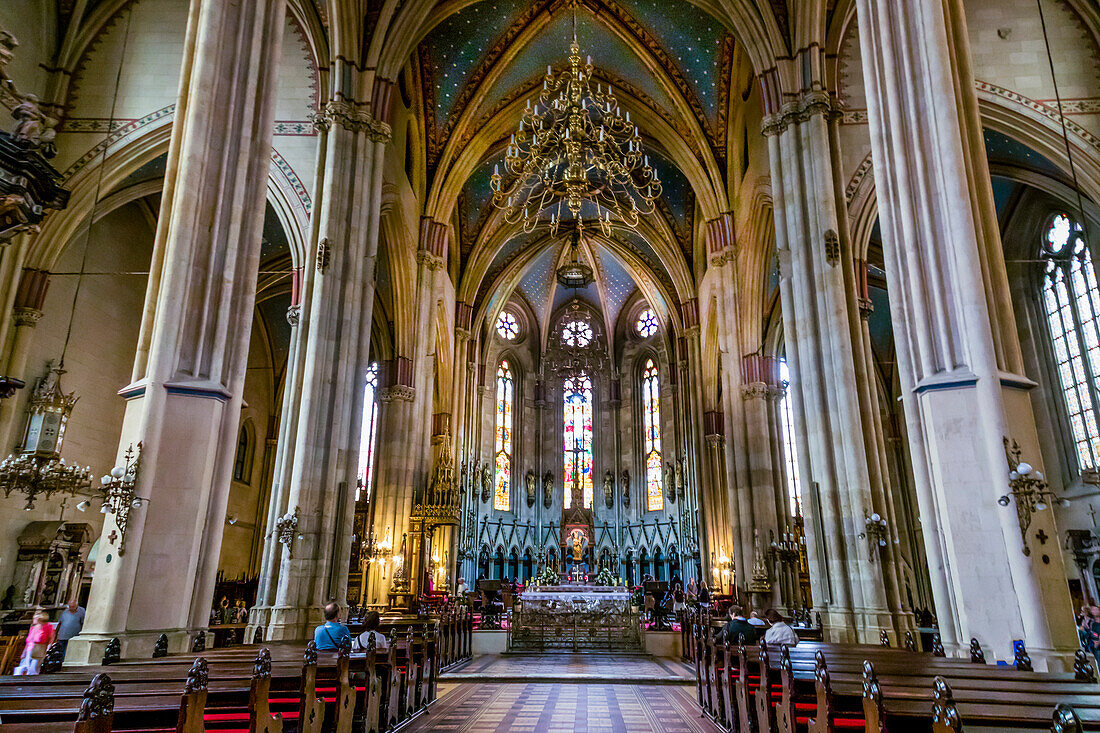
x=604, y=577
x=548, y=576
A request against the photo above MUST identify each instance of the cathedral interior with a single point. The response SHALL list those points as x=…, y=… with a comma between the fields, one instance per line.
x=393, y=304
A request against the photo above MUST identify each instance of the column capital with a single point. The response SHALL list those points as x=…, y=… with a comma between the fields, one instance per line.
x=396, y=392
x=426, y=258
x=795, y=112
x=756, y=390
x=352, y=118
x=26, y=316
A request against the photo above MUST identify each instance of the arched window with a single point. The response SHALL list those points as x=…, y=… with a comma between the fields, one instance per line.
x=578, y=436
x=370, y=432
x=242, y=462
x=1072, y=302
x=790, y=456
x=502, y=451
x=651, y=415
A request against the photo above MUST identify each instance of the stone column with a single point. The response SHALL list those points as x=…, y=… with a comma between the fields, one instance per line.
x=959, y=357
x=405, y=464
x=325, y=462
x=26, y=311
x=858, y=582
x=184, y=405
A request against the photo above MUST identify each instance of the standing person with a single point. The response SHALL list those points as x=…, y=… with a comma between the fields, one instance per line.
x=691, y=592
x=462, y=589
x=678, y=604
x=69, y=624
x=328, y=635
x=38, y=638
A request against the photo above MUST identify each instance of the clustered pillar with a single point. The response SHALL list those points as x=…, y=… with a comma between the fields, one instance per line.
x=959, y=359
x=855, y=579
x=183, y=405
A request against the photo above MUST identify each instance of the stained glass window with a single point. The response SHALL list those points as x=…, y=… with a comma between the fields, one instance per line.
x=370, y=432
x=647, y=323
x=790, y=456
x=502, y=457
x=651, y=407
x=1071, y=301
x=507, y=326
x=577, y=333
x=578, y=436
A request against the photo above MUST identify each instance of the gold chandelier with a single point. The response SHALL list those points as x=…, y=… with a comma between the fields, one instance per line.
x=38, y=470
x=575, y=155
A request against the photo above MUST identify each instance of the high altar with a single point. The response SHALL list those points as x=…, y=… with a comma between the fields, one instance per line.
x=574, y=618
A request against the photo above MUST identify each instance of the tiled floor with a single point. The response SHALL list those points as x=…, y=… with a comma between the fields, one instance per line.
x=573, y=668
x=541, y=707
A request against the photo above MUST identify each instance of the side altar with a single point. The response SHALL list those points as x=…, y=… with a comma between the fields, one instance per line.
x=575, y=617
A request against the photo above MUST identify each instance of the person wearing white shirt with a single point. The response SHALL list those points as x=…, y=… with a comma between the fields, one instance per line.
x=779, y=633
x=370, y=630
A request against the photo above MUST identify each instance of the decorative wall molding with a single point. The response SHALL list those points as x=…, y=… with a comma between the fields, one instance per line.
x=126, y=130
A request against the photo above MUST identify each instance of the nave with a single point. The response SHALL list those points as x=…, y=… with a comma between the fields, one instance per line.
x=566, y=339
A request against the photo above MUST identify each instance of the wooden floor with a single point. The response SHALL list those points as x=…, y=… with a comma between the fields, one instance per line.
x=541, y=707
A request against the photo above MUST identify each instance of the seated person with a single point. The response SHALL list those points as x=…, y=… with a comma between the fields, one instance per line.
x=780, y=633
x=755, y=620
x=327, y=636
x=370, y=630
x=738, y=626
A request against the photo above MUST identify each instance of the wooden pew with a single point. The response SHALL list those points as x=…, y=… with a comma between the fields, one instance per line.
x=311, y=709
x=193, y=701
x=97, y=710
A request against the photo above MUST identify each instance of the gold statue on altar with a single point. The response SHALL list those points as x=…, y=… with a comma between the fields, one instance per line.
x=577, y=538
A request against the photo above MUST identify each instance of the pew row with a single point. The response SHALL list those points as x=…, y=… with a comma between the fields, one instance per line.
x=819, y=688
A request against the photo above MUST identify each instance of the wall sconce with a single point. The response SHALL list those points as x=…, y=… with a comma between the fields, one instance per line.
x=1029, y=488
x=875, y=532
x=117, y=494
x=286, y=529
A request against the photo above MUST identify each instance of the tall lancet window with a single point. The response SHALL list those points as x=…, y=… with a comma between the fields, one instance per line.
x=790, y=454
x=578, y=437
x=1072, y=303
x=370, y=432
x=502, y=497
x=651, y=409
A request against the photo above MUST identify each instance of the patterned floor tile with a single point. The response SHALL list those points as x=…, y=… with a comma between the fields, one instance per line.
x=568, y=707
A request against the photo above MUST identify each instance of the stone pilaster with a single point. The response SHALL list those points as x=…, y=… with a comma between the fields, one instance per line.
x=958, y=352
x=324, y=466
x=856, y=584
x=184, y=404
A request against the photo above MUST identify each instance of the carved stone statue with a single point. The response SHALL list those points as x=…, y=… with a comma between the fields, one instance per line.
x=609, y=489
x=548, y=489
x=486, y=482
x=624, y=480
x=530, y=481
x=681, y=478
x=670, y=481
x=7, y=46
x=29, y=122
